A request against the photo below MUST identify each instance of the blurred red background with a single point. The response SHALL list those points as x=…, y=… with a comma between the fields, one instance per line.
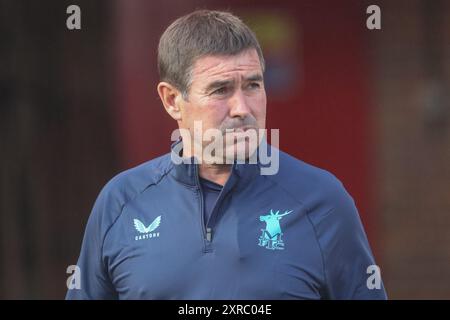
x=371, y=106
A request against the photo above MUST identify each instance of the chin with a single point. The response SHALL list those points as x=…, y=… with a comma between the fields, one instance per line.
x=240, y=151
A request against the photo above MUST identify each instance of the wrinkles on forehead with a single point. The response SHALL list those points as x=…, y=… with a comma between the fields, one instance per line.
x=210, y=68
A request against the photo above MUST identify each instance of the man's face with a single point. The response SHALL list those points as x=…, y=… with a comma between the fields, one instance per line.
x=226, y=92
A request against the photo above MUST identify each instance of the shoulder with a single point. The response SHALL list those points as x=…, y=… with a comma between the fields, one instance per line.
x=133, y=181
x=314, y=187
x=124, y=187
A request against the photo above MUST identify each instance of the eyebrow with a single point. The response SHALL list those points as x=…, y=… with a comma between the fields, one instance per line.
x=218, y=84
x=254, y=77
x=223, y=83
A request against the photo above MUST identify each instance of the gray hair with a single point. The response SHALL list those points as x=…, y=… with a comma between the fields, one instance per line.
x=201, y=33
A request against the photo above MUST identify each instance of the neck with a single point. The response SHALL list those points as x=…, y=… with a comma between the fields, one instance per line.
x=218, y=173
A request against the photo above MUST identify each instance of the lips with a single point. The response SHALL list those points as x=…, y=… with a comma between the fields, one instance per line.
x=243, y=129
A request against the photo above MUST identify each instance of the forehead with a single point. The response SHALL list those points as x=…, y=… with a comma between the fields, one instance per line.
x=213, y=67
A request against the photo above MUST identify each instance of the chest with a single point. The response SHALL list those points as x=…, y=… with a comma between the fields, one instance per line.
x=255, y=250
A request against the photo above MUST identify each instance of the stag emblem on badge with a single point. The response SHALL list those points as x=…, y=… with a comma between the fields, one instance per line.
x=271, y=235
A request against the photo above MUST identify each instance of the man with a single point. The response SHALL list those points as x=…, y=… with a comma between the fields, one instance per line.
x=218, y=228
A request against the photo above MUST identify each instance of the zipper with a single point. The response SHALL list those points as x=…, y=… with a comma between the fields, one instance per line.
x=206, y=232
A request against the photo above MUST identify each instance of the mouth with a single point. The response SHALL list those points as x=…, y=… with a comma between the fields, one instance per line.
x=244, y=129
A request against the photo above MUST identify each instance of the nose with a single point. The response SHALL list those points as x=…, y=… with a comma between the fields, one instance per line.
x=238, y=105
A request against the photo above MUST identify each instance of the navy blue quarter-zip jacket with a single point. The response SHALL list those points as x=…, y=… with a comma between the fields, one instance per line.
x=293, y=235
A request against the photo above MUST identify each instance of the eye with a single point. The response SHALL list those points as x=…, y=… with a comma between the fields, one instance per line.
x=221, y=90
x=254, y=85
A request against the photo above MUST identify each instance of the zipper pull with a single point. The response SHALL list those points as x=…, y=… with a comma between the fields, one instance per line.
x=208, y=234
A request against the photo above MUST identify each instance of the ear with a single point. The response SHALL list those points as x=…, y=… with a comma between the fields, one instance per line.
x=170, y=97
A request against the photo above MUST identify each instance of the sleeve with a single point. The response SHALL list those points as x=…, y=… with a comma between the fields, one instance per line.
x=348, y=260
x=94, y=281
